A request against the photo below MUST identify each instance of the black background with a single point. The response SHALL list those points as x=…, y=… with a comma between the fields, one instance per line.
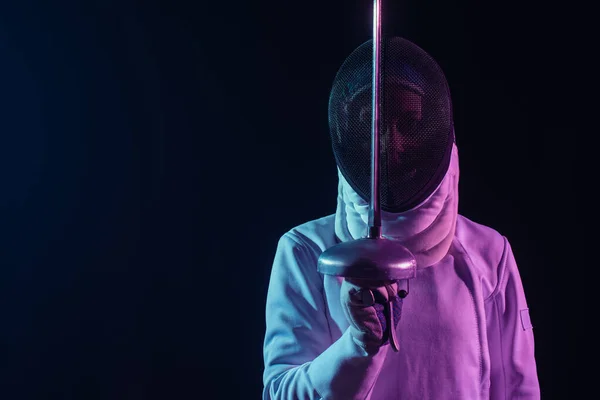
x=152, y=153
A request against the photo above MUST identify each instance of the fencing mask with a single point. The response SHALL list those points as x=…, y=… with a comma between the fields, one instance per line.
x=415, y=123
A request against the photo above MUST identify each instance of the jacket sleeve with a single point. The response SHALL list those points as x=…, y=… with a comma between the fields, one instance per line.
x=513, y=373
x=301, y=359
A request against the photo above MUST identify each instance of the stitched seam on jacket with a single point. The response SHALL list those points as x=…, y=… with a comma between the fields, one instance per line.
x=501, y=265
x=477, y=321
x=501, y=346
x=493, y=296
x=493, y=299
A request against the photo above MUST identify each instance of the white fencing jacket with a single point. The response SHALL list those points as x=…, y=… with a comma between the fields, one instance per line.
x=465, y=331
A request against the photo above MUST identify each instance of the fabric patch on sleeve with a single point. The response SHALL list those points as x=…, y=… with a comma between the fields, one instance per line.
x=525, y=319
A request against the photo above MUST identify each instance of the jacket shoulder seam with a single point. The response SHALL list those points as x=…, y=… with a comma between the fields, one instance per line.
x=502, y=277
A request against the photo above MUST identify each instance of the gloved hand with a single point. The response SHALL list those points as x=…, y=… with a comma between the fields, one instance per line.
x=372, y=308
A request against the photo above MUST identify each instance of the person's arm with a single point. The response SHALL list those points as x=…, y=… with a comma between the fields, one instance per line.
x=510, y=336
x=301, y=359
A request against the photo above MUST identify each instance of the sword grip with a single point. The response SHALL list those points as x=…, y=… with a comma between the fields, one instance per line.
x=391, y=325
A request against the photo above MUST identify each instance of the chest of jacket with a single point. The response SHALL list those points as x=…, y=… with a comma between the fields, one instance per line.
x=441, y=335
